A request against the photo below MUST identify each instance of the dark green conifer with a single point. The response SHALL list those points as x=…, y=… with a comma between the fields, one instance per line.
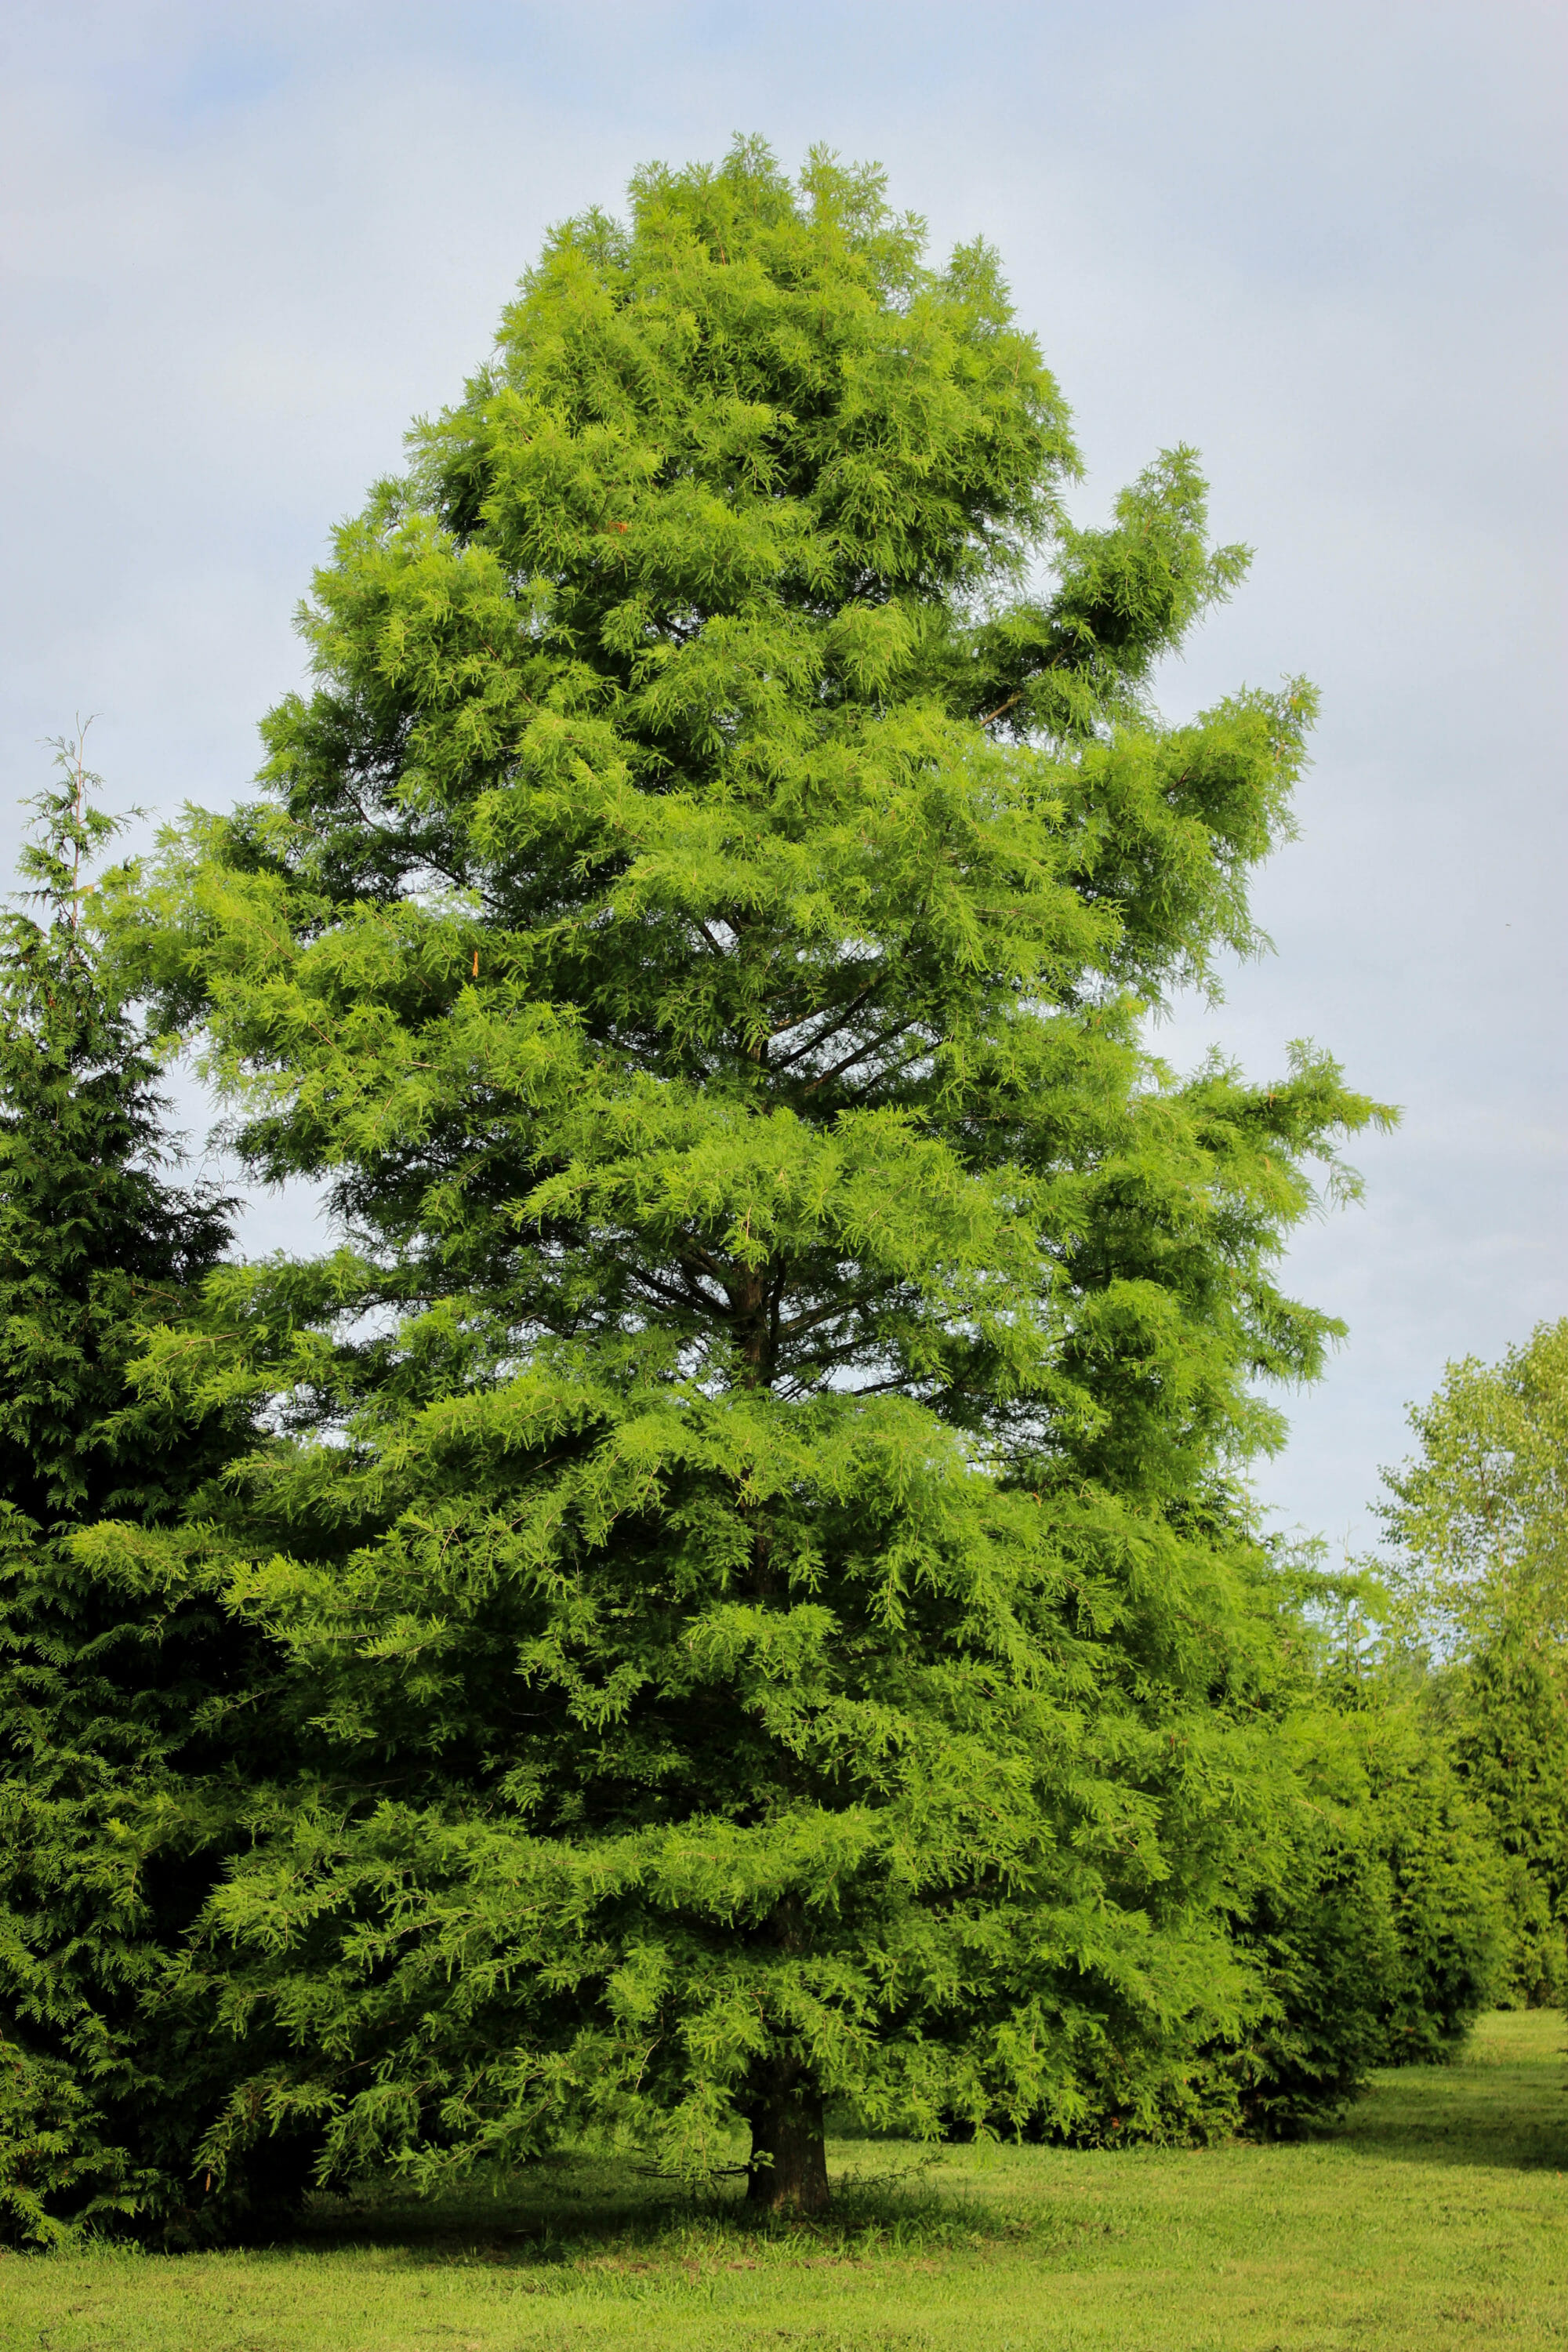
x=1506, y=1714
x=1480, y=1518
x=111, y=1685
x=1382, y=1935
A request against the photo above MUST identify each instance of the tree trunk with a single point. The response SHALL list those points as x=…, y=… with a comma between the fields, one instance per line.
x=788, y=2168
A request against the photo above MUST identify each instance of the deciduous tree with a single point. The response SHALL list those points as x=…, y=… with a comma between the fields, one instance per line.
x=764, y=1566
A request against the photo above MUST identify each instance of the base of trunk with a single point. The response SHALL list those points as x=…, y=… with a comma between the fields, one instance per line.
x=788, y=2167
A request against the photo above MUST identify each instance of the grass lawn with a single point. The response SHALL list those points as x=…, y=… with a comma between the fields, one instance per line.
x=1437, y=2217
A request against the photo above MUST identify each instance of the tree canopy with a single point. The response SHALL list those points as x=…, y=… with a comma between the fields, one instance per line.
x=751, y=1511
x=119, y=1692
x=1478, y=1521
x=1478, y=1516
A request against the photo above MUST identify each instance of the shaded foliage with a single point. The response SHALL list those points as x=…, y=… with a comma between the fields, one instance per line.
x=1478, y=1518
x=120, y=1696
x=1383, y=1939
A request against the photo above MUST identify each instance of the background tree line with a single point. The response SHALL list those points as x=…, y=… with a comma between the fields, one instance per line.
x=730, y=1594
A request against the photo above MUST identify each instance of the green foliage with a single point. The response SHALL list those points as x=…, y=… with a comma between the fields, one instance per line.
x=111, y=1715
x=1480, y=1521
x=1506, y=1714
x=754, y=1554
x=1379, y=1929
x=1480, y=1518
x=752, y=1523
x=1449, y=1900
x=88, y=1234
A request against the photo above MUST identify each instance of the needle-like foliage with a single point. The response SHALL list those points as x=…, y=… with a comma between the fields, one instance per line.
x=1479, y=1520
x=756, y=1525
x=117, y=1692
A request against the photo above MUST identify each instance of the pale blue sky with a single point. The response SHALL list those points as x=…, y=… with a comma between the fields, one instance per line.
x=243, y=245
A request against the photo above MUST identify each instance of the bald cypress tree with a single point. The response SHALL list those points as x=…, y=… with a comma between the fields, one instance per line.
x=762, y=1556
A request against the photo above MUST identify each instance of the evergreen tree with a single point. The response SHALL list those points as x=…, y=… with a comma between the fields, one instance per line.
x=108, y=1686
x=1480, y=1517
x=1506, y=1714
x=763, y=1571
x=1382, y=1935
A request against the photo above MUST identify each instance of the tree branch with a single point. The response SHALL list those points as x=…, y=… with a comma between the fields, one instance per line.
x=832, y=1029
x=870, y=1046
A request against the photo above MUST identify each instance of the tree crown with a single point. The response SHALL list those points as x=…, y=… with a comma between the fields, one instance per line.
x=91, y=1238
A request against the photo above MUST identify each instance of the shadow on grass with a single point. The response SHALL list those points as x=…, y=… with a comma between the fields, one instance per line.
x=566, y=2211
x=1436, y=2123
x=1503, y=2103
x=1503, y=2106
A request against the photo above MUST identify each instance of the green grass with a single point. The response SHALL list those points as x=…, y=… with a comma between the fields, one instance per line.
x=1437, y=2218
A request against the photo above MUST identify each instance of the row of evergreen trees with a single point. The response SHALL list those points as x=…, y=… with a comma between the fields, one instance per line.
x=729, y=1594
